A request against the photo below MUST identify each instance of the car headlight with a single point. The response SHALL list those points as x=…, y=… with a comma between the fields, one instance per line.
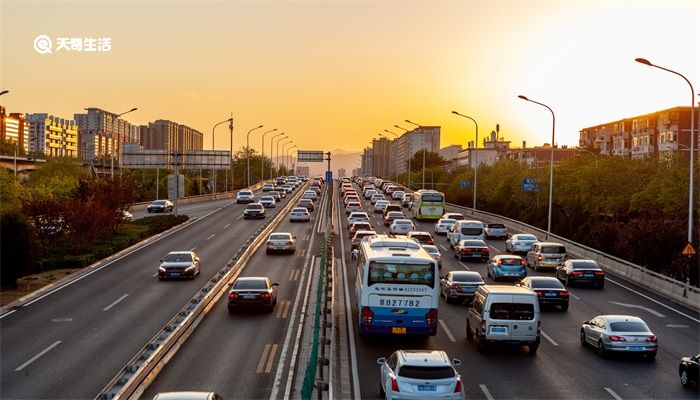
x=161, y=269
x=191, y=267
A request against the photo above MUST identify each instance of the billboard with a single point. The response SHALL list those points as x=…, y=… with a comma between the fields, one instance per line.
x=146, y=159
x=207, y=159
x=309, y=156
x=191, y=159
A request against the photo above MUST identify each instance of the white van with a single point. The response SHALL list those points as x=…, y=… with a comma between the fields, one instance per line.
x=501, y=314
x=465, y=230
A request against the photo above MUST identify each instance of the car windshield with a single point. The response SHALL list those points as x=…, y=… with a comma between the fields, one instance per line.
x=394, y=214
x=447, y=221
x=300, y=210
x=305, y=201
x=466, y=277
x=403, y=222
x=496, y=226
x=546, y=284
x=254, y=206
x=159, y=202
x=432, y=197
x=628, y=326
x=473, y=243
x=250, y=284
x=553, y=249
x=280, y=236
x=512, y=311
x=245, y=193
x=525, y=237
x=510, y=261
x=411, y=274
x=471, y=231
x=267, y=198
x=178, y=258
x=431, y=249
x=584, y=265
x=422, y=372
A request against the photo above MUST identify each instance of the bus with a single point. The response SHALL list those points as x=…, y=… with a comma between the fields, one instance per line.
x=397, y=287
x=427, y=205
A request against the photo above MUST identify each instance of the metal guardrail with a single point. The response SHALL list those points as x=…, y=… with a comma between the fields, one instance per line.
x=203, y=197
x=145, y=366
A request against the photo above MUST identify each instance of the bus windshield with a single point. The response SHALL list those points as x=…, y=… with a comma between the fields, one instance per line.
x=402, y=274
x=432, y=197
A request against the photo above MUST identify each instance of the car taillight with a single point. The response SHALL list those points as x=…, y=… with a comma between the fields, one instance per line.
x=600, y=273
x=394, y=385
x=617, y=338
x=232, y=296
x=467, y=249
x=539, y=293
x=500, y=263
x=290, y=242
x=367, y=315
x=651, y=339
x=458, y=386
x=576, y=273
x=455, y=286
x=431, y=317
x=539, y=257
x=430, y=241
x=522, y=262
x=564, y=293
x=485, y=250
x=265, y=295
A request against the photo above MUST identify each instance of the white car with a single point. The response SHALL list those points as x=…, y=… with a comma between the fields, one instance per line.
x=245, y=196
x=370, y=193
x=380, y=205
x=281, y=242
x=397, y=195
x=299, y=214
x=520, y=243
x=377, y=197
x=420, y=374
x=268, y=201
x=268, y=187
x=310, y=194
x=357, y=216
x=443, y=225
x=401, y=226
x=353, y=206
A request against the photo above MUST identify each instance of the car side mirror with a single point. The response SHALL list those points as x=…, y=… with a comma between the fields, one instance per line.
x=161, y=260
x=275, y=284
x=294, y=237
x=456, y=362
x=586, y=322
x=230, y=284
x=381, y=360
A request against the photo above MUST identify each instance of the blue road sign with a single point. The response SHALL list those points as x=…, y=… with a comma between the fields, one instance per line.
x=465, y=184
x=530, y=185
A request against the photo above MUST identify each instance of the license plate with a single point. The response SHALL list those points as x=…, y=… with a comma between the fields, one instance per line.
x=475, y=255
x=635, y=348
x=588, y=275
x=469, y=290
x=174, y=274
x=398, y=330
x=427, y=388
x=498, y=329
x=248, y=296
x=550, y=294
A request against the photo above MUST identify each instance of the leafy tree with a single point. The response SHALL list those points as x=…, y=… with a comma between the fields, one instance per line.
x=18, y=247
x=432, y=159
x=11, y=191
x=57, y=178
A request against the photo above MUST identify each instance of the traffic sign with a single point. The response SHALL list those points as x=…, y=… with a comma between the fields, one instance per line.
x=309, y=156
x=530, y=185
x=688, y=250
x=465, y=184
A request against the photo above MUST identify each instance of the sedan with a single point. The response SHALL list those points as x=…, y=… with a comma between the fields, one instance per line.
x=357, y=217
x=406, y=201
x=506, y=266
x=179, y=264
x=359, y=235
x=460, y=286
x=688, y=371
x=353, y=206
x=581, y=271
x=370, y=193
x=472, y=249
x=619, y=334
x=376, y=198
x=281, y=242
x=276, y=195
x=306, y=203
x=443, y=225
x=268, y=201
x=310, y=194
x=380, y=205
x=421, y=237
x=268, y=187
x=434, y=252
x=252, y=292
x=254, y=210
x=391, y=216
x=401, y=226
x=457, y=216
x=299, y=214
x=419, y=374
x=160, y=206
x=498, y=231
x=359, y=226
x=550, y=292
x=520, y=243
x=397, y=195
x=281, y=190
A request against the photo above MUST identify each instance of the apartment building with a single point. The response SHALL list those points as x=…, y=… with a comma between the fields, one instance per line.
x=366, y=159
x=411, y=142
x=102, y=133
x=14, y=128
x=54, y=136
x=381, y=160
x=168, y=135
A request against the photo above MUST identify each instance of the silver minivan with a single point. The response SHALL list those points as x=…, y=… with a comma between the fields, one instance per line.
x=546, y=255
x=501, y=314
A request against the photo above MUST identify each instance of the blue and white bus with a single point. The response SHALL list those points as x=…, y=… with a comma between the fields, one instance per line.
x=397, y=287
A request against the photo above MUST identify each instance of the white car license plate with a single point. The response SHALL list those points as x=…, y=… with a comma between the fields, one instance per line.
x=174, y=274
x=427, y=388
x=502, y=330
x=549, y=294
x=635, y=348
x=248, y=296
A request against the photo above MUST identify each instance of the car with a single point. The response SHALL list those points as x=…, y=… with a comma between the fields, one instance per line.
x=370, y=193
x=316, y=189
x=520, y=243
x=355, y=241
x=283, y=242
x=421, y=237
x=380, y=205
x=252, y=292
x=498, y=231
x=353, y=206
x=397, y=195
x=545, y=255
x=310, y=194
x=179, y=264
x=275, y=195
x=288, y=188
x=456, y=216
x=245, y=197
x=389, y=189
x=406, y=201
x=306, y=203
x=357, y=216
x=359, y=226
x=472, y=249
x=187, y=396
x=268, y=201
x=610, y=334
x=434, y=252
x=281, y=191
x=550, y=292
x=460, y=286
x=268, y=187
x=280, y=180
x=254, y=210
x=581, y=271
x=465, y=230
x=401, y=226
x=160, y=206
x=376, y=197
x=506, y=266
x=391, y=207
x=688, y=371
x=299, y=214
x=391, y=216
x=443, y=225
x=419, y=374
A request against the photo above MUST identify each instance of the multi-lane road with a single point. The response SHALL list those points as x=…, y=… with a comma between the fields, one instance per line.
x=562, y=368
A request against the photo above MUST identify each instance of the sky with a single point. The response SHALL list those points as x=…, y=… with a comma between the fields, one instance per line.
x=335, y=74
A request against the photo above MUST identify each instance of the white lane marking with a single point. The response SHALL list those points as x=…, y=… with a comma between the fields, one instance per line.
x=227, y=225
x=115, y=302
x=239, y=217
x=443, y=247
x=447, y=331
x=655, y=301
x=211, y=236
x=658, y=314
x=192, y=249
x=574, y=296
x=678, y=326
x=31, y=360
x=613, y=394
x=486, y=392
x=549, y=339
x=464, y=265
x=6, y=314
x=495, y=249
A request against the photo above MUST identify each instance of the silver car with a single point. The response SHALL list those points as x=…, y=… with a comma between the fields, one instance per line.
x=179, y=264
x=299, y=214
x=268, y=201
x=434, y=252
x=443, y=225
x=619, y=334
x=401, y=226
x=420, y=374
x=281, y=242
x=520, y=243
x=460, y=286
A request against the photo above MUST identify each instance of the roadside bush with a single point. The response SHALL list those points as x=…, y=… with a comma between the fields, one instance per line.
x=18, y=247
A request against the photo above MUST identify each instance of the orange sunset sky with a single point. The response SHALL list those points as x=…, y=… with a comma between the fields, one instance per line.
x=333, y=75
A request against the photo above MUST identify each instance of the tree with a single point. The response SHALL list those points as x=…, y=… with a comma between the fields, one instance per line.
x=432, y=159
x=18, y=249
x=56, y=178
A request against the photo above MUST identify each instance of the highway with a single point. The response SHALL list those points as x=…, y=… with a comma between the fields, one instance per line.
x=562, y=368
x=69, y=343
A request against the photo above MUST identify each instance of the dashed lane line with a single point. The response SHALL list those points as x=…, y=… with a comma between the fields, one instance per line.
x=115, y=302
x=31, y=360
x=447, y=331
x=211, y=236
x=549, y=339
x=486, y=392
x=613, y=394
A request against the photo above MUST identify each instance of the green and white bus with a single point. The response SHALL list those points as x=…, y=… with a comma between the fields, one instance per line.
x=428, y=205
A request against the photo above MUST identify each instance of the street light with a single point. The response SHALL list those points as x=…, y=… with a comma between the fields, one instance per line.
x=476, y=152
x=262, y=155
x=423, y=142
x=551, y=166
x=230, y=120
x=111, y=169
x=271, y=140
x=4, y=92
x=277, y=156
x=284, y=151
x=247, y=153
x=397, y=142
x=289, y=156
x=692, y=143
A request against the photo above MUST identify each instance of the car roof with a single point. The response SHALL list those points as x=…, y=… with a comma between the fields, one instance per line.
x=185, y=396
x=414, y=233
x=179, y=252
x=281, y=233
x=543, y=279
x=507, y=256
x=299, y=209
x=394, y=213
x=550, y=244
x=430, y=247
x=620, y=318
x=402, y=221
x=251, y=278
x=524, y=234
x=473, y=242
x=426, y=358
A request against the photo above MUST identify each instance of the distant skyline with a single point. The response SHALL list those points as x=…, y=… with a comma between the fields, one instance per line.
x=334, y=75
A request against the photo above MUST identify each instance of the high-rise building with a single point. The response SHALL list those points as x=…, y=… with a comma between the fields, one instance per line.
x=168, y=135
x=366, y=160
x=411, y=142
x=341, y=172
x=102, y=133
x=14, y=128
x=381, y=162
x=53, y=136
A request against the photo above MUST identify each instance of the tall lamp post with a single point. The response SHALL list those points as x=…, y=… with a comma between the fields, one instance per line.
x=278, y=148
x=4, y=92
x=111, y=168
x=262, y=155
x=551, y=166
x=692, y=143
x=289, y=157
x=397, y=142
x=476, y=152
x=423, y=142
x=230, y=120
x=247, y=153
x=284, y=152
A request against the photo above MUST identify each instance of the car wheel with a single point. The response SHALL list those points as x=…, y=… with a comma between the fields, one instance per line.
x=271, y=307
x=382, y=394
x=601, y=285
x=532, y=349
x=601, y=349
x=582, y=338
x=565, y=307
x=685, y=380
x=231, y=310
x=470, y=335
x=267, y=251
x=480, y=343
